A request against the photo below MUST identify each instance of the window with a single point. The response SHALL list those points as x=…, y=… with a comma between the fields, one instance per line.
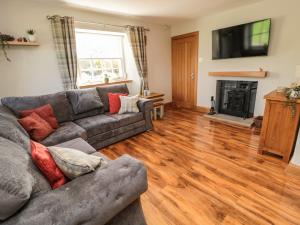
x=100, y=54
x=260, y=33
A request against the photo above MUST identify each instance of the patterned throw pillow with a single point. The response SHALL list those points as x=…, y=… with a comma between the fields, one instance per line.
x=74, y=163
x=129, y=104
x=37, y=127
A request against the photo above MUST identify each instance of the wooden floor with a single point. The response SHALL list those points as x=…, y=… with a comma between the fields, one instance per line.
x=203, y=172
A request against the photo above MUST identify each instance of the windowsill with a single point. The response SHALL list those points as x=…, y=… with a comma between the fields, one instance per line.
x=104, y=84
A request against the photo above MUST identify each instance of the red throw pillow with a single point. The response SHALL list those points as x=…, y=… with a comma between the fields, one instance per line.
x=44, y=161
x=114, y=102
x=46, y=112
x=37, y=128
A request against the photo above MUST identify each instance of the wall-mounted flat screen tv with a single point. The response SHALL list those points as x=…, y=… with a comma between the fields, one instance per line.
x=245, y=40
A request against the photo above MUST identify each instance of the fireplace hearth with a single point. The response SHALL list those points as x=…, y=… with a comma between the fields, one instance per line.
x=236, y=98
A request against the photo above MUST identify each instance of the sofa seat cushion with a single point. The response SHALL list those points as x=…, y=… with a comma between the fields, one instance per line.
x=79, y=144
x=67, y=131
x=98, y=124
x=127, y=118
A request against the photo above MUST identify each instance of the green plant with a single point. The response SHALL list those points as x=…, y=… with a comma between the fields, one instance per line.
x=4, y=38
x=293, y=93
x=30, y=32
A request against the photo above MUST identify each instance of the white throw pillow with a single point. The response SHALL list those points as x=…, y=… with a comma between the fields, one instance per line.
x=129, y=104
x=74, y=163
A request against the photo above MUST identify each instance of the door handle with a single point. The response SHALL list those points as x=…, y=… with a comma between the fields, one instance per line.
x=193, y=76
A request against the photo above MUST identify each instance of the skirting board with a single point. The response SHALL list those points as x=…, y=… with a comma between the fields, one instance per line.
x=293, y=169
x=201, y=109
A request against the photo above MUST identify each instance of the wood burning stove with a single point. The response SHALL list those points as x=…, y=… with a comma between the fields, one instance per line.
x=236, y=98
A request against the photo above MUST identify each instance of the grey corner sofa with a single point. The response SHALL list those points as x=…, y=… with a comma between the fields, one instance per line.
x=109, y=195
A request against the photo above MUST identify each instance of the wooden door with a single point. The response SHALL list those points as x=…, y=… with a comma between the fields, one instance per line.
x=185, y=70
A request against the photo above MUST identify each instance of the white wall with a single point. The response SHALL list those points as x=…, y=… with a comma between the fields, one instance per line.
x=296, y=156
x=284, y=51
x=34, y=70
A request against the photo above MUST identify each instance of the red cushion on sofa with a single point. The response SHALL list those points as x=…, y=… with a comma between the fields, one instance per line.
x=46, y=112
x=37, y=128
x=114, y=102
x=44, y=161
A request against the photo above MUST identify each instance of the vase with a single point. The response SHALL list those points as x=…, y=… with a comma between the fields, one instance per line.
x=31, y=38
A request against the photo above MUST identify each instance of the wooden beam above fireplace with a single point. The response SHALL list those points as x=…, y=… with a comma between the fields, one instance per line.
x=259, y=74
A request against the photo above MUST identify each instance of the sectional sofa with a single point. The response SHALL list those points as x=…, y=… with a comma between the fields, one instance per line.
x=110, y=195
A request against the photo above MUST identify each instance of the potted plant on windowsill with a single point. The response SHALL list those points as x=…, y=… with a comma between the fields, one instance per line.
x=31, y=35
x=106, y=78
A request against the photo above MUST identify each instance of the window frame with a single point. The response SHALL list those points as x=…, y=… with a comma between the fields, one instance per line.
x=123, y=76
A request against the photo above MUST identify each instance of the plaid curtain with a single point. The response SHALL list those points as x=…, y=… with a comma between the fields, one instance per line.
x=64, y=39
x=138, y=41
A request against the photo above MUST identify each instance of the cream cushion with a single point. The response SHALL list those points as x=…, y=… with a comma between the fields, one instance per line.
x=74, y=163
x=129, y=104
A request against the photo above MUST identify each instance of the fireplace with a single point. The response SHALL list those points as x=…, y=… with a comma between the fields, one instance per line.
x=236, y=98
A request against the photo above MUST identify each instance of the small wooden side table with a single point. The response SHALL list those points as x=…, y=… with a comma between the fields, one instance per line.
x=280, y=125
x=158, y=105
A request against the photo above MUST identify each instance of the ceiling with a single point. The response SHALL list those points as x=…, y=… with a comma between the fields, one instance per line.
x=159, y=11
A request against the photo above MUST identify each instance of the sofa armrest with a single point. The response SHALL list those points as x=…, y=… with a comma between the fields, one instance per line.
x=145, y=106
x=94, y=198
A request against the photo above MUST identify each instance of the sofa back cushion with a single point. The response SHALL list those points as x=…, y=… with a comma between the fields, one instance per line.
x=58, y=101
x=16, y=182
x=103, y=93
x=84, y=100
x=12, y=130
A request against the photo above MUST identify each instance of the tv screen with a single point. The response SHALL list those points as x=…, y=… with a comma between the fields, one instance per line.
x=251, y=39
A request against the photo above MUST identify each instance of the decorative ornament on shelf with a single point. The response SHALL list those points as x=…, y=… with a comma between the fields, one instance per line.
x=31, y=35
x=4, y=38
x=293, y=92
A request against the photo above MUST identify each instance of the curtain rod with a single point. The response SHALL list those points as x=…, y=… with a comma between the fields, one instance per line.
x=95, y=23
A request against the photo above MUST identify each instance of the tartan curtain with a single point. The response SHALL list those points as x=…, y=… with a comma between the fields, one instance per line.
x=138, y=41
x=64, y=39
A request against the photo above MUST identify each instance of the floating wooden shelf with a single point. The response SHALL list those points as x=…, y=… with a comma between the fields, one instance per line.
x=17, y=43
x=260, y=74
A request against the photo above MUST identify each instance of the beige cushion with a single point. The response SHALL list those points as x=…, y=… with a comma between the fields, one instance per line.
x=129, y=104
x=74, y=163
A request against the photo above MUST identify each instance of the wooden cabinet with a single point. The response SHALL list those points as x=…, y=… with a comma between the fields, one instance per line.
x=280, y=125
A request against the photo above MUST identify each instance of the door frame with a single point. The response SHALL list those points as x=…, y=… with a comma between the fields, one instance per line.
x=192, y=34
